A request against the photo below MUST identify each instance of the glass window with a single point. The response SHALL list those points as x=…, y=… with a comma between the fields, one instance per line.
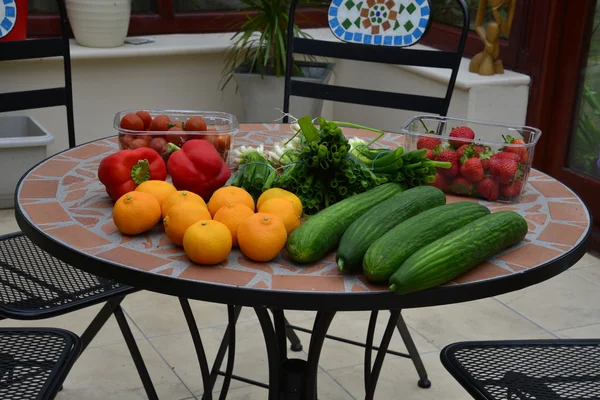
x=448, y=12
x=208, y=5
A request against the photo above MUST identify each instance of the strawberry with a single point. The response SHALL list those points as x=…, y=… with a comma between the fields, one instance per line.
x=448, y=156
x=489, y=189
x=508, y=155
x=460, y=185
x=521, y=151
x=428, y=142
x=472, y=169
x=462, y=132
x=503, y=169
x=440, y=182
x=461, y=150
x=479, y=148
x=430, y=155
x=513, y=189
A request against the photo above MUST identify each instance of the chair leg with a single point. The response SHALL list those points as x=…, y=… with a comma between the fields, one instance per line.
x=413, y=352
x=292, y=337
x=135, y=354
x=98, y=322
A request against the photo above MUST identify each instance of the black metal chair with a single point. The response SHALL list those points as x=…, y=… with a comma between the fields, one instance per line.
x=526, y=369
x=34, y=362
x=383, y=54
x=33, y=284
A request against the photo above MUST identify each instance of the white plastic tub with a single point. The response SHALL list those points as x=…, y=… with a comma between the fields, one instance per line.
x=23, y=143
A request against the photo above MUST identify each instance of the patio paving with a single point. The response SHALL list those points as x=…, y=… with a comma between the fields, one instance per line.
x=562, y=307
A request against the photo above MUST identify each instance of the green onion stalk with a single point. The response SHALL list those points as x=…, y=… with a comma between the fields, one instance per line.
x=255, y=172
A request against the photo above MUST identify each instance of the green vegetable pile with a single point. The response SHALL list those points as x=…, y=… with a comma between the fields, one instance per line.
x=322, y=167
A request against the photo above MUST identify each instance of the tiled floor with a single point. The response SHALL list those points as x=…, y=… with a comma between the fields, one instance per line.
x=565, y=306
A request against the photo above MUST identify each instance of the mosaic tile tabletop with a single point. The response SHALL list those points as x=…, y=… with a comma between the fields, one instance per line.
x=64, y=199
x=380, y=22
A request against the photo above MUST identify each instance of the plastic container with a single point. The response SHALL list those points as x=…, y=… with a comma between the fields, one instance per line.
x=490, y=139
x=23, y=143
x=221, y=127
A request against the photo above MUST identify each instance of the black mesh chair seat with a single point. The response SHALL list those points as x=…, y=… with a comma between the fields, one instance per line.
x=35, y=361
x=34, y=284
x=526, y=370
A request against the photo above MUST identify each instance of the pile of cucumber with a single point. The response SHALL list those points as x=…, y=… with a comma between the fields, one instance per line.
x=410, y=239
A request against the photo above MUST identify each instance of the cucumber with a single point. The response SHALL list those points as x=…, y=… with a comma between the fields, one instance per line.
x=380, y=219
x=321, y=233
x=390, y=251
x=459, y=251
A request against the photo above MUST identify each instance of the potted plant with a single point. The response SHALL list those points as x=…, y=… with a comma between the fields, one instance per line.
x=257, y=60
x=99, y=23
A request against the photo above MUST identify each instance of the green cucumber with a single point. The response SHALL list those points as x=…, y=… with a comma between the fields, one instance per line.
x=457, y=252
x=391, y=250
x=380, y=219
x=321, y=233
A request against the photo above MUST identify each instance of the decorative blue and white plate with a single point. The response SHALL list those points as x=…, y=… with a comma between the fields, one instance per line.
x=8, y=16
x=380, y=22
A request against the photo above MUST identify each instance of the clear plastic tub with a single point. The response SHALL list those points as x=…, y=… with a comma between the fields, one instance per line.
x=498, y=182
x=220, y=130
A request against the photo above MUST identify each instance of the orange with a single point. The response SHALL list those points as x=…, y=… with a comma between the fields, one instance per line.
x=232, y=215
x=136, y=212
x=207, y=242
x=229, y=194
x=281, y=194
x=180, y=217
x=159, y=189
x=261, y=237
x=283, y=209
x=181, y=196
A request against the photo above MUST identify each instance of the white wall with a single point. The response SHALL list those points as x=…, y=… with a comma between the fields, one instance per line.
x=183, y=72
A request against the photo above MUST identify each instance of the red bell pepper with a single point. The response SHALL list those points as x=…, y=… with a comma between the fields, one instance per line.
x=123, y=171
x=197, y=167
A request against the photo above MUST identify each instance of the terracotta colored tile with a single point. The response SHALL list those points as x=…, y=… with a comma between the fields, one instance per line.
x=86, y=212
x=560, y=233
x=567, y=212
x=584, y=224
x=516, y=267
x=93, y=250
x=88, y=151
x=46, y=213
x=28, y=201
x=78, y=237
x=34, y=176
x=529, y=198
x=83, y=172
x=70, y=179
x=531, y=226
x=79, y=185
x=168, y=271
x=260, y=285
x=483, y=271
x=552, y=189
x=535, y=208
x=179, y=258
x=75, y=195
x=455, y=199
x=308, y=283
x=313, y=268
x=358, y=288
x=55, y=168
x=217, y=274
x=562, y=247
x=170, y=250
x=42, y=189
x=334, y=271
x=254, y=265
x=539, y=218
x=287, y=267
x=106, y=203
x=530, y=255
x=87, y=221
x=498, y=209
x=133, y=258
x=109, y=228
x=164, y=241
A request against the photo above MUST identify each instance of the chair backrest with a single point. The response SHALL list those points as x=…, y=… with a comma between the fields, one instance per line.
x=42, y=98
x=350, y=21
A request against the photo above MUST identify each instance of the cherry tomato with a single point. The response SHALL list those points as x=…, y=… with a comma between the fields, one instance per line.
x=195, y=124
x=132, y=122
x=146, y=118
x=125, y=141
x=136, y=143
x=160, y=123
x=176, y=138
x=178, y=124
x=158, y=144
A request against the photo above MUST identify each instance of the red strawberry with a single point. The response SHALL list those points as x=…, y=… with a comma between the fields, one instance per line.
x=472, y=169
x=430, y=155
x=440, y=182
x=503, y=169
x=513, y=189
x=508, y=155
x=428, y=142
x=461, y=150
x=448, y=156
x=460, y=185
x=479, y=148
x=462, y=132
x=485, y=163
x=489, y=189
x=521, y=151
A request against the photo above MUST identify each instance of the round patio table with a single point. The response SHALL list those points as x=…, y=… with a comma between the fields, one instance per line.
x=63, y=208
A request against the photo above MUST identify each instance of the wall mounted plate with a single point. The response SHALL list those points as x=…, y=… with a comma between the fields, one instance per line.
x=8, y=16
x=380, y=22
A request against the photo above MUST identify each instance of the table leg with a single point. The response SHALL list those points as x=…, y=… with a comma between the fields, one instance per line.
x=369, y=346
x=272, y=351
x=371, y=379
